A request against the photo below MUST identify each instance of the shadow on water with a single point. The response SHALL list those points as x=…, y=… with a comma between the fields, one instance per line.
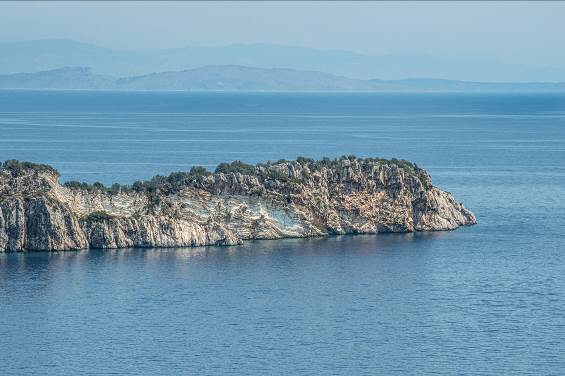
x=48, y=271
x=293, y=247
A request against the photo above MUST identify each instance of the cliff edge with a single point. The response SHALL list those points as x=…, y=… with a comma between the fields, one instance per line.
x=301, y=198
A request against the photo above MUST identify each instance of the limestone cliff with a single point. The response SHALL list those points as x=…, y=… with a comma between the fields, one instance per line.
x=269, y=201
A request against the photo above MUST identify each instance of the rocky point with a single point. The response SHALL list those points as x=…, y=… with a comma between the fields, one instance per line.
x=302, y=198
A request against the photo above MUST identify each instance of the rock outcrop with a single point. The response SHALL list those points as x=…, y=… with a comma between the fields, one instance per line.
x=287, y=199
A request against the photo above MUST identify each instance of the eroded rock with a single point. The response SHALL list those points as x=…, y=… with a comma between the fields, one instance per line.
x=288, y=199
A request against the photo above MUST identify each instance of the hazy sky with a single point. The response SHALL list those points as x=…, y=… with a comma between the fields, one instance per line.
x=522, y=32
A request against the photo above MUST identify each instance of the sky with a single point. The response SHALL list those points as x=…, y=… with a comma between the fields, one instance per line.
x=511, y=32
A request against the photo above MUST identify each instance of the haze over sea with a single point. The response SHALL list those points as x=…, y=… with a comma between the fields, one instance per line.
x=487, y=299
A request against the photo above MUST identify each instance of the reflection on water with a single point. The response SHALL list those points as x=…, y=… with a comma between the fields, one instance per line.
x=39, y=262
x=437, y=302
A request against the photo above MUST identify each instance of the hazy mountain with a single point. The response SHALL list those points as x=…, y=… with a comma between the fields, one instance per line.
x=63, y=78
x=235, y=77
x=39, y=55
x=241, y=78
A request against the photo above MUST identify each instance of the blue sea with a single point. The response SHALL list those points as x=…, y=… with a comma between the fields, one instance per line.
x=482, y=300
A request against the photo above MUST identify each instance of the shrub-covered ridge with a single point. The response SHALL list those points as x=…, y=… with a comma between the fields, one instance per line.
x=264, y=171
x=237, y=201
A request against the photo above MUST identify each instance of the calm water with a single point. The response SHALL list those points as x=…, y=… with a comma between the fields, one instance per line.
x=489, y=299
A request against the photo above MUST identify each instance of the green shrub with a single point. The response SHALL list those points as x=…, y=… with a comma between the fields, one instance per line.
x=72, y=184
x=199, y=171
x=98, y=216
x=177, y=181
x=115, y=188
x=235, y=167
x=17, y=167
x=304, y=160
x=137, y=186
x=277, y=175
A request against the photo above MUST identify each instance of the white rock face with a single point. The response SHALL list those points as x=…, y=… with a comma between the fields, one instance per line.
x=290, y=199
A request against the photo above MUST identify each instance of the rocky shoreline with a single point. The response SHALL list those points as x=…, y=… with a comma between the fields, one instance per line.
x=302, y=198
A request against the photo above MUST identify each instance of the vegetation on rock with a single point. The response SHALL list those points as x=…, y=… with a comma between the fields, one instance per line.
x=264, y=171
x=301, y=198
x=235, y=167
x=17, y=167
x=98, y=216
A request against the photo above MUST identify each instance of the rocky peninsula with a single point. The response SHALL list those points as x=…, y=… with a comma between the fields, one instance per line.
x=284, y=199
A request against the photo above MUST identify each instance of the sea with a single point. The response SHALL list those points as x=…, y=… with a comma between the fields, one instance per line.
x=482, y=300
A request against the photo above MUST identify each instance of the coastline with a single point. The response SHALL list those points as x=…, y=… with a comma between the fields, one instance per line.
x=238, y=202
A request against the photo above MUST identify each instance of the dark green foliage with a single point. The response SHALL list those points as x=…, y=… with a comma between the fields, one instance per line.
x=424, y=181
x=94, y=187
x=199, y=171
x=277, y=175
x=348, y=157
x=17, y=167
x=158, y=184
x=404, y=164
x=236, y=167
x=72, y=184
x=115, y=188
x=98, y=216
x=304, y=160
x=176, y=181
x=324, y=162
x=137, y=186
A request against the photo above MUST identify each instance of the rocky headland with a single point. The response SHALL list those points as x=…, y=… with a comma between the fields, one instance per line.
x=302, y=198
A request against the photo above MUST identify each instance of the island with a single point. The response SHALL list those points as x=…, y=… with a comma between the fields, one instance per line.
x=237, y=78
x=238, y=202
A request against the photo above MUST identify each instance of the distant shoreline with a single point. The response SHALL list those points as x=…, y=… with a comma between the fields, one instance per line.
x=426, y=92
x=235, y=78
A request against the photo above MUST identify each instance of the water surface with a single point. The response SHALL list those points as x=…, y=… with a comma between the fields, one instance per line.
x=488, y=299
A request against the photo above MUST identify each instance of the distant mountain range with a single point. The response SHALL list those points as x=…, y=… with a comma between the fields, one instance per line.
x=241, y=78
x=49, y=54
